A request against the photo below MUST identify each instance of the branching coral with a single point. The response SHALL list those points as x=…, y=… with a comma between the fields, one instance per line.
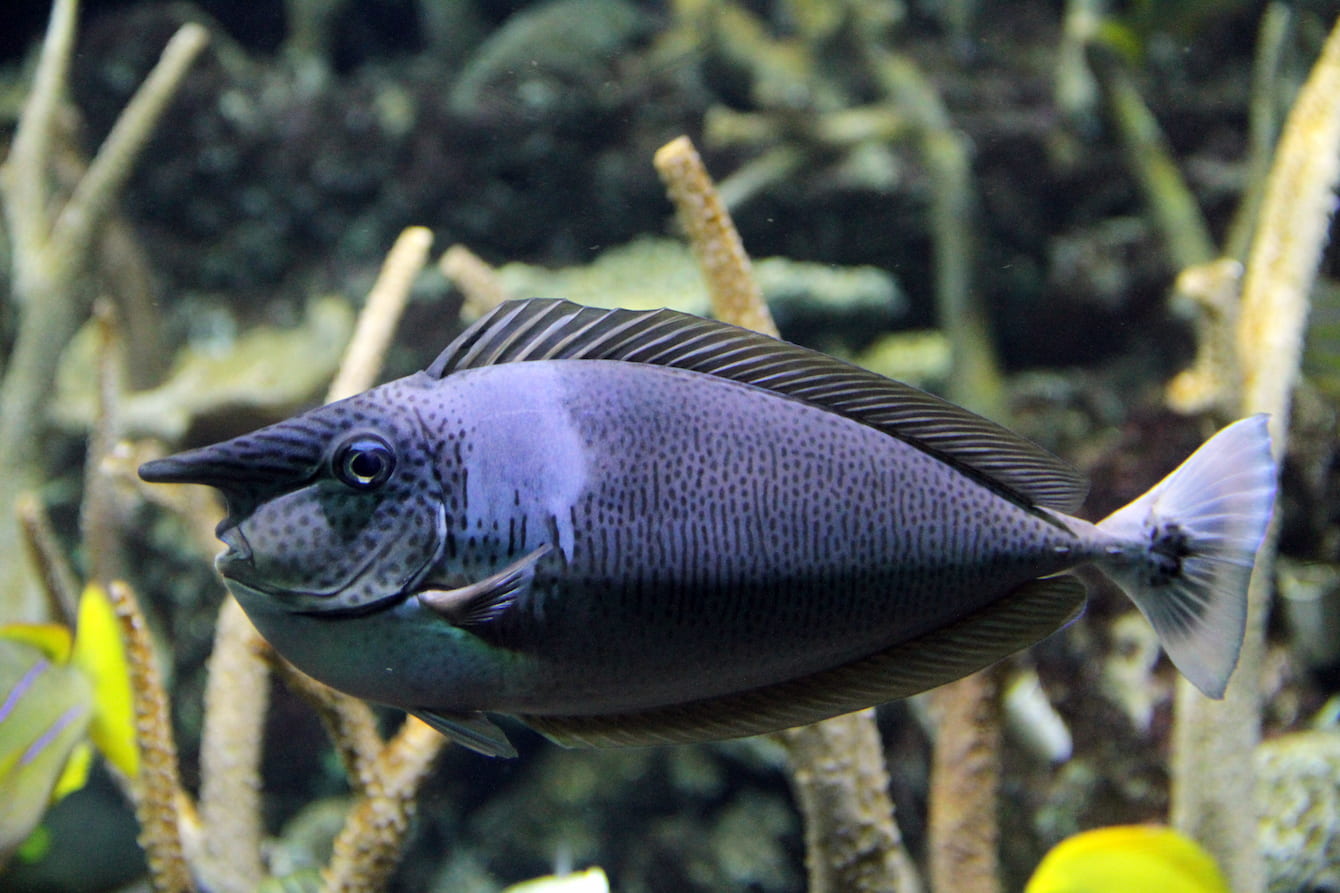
x=368, y=849
x=220, y=846
x=721, y=256
x=160, y=804
x=51, y=249
x=1214, y=741
x=230, y=754
x=965, y=781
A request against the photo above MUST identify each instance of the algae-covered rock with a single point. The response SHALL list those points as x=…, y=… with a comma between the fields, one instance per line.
x=268, y=370
x=921, y=357
x=652, y=272
x=1300, y=810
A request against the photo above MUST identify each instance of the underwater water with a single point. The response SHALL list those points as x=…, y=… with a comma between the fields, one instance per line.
x=962, y=196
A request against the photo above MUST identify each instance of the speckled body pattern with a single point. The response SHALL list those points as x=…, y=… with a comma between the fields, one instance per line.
x=710, y=537
x=643, y=527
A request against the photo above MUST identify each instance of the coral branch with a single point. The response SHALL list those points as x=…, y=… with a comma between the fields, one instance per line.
x=25, y=171
x=159, y=791
x=838, y=772
x=236, y=699
x=1213, y=742
x=1294, y=222
x=716, y=244
x=376, y=324
x=349, y=722
x=99, y=525
x=477, y=280
x=369, y=846
x=965, y=777
x=92, y=200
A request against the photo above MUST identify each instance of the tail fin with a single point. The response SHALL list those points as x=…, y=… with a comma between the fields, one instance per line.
x=1188, y=547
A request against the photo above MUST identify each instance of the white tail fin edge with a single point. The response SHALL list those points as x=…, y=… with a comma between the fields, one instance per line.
x=1188, y=547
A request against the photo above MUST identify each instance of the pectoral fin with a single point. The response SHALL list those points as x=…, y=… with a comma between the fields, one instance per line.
x=488, y=599
x=472, y=730
x=1025, y=616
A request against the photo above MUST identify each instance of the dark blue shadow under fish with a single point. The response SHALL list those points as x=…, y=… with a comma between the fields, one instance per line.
x=646, y=527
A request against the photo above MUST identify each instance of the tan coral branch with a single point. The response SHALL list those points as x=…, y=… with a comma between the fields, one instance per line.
x=965, y=775
x=92, y=200
x=1213, y=792
x=477, y=280
x=237, y=695
x=369, y=846
x=838, y=772
x=349, y=722
x=363, y=357
x=25, y=170
x=159, y=792
x=1294, y=222
x=716, y=243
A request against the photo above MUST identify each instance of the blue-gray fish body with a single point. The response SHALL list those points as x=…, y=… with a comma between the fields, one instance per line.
x=639, y=527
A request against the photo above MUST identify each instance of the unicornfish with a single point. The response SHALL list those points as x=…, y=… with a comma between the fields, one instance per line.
x=642, y=527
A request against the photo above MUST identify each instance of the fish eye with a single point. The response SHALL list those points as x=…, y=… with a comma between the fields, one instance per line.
x=363, y=462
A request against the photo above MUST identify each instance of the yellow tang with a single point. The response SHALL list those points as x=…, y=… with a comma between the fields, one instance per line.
x=1124, y=858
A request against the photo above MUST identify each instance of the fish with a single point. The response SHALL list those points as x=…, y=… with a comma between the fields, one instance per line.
x=63, y=694
x=1122, y=858
x=644, y=527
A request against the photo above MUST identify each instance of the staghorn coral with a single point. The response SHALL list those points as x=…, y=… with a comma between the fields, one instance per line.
x=1214, y=741
x=736, y=297
x=219, y=846
x=385, y=304
x=51, y=249
x=160, y=804
x=229, y=858
x=965, y=780
x=369, y=847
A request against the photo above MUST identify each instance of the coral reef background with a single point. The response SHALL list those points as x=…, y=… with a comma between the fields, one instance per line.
x=853, y=136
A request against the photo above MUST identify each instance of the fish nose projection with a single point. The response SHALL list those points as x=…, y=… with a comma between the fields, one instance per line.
x=643, y=527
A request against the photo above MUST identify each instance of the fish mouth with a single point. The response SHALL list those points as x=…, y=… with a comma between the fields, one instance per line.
x=229, y=532
x=237, y=566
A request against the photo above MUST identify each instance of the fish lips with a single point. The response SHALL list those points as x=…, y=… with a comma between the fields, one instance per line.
x=239, y=551
x=238, y=568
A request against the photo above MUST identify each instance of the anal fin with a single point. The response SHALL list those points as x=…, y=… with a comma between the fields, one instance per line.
x=1023, y=617
x=472, y=730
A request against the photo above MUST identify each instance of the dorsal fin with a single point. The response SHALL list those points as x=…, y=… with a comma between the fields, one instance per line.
x=552, y=329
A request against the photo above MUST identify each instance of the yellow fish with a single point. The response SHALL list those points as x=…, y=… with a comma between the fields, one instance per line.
x=1125, y=859
x=59, y=692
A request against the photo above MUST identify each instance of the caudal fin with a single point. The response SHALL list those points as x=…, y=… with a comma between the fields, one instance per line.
x=1188, y=546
